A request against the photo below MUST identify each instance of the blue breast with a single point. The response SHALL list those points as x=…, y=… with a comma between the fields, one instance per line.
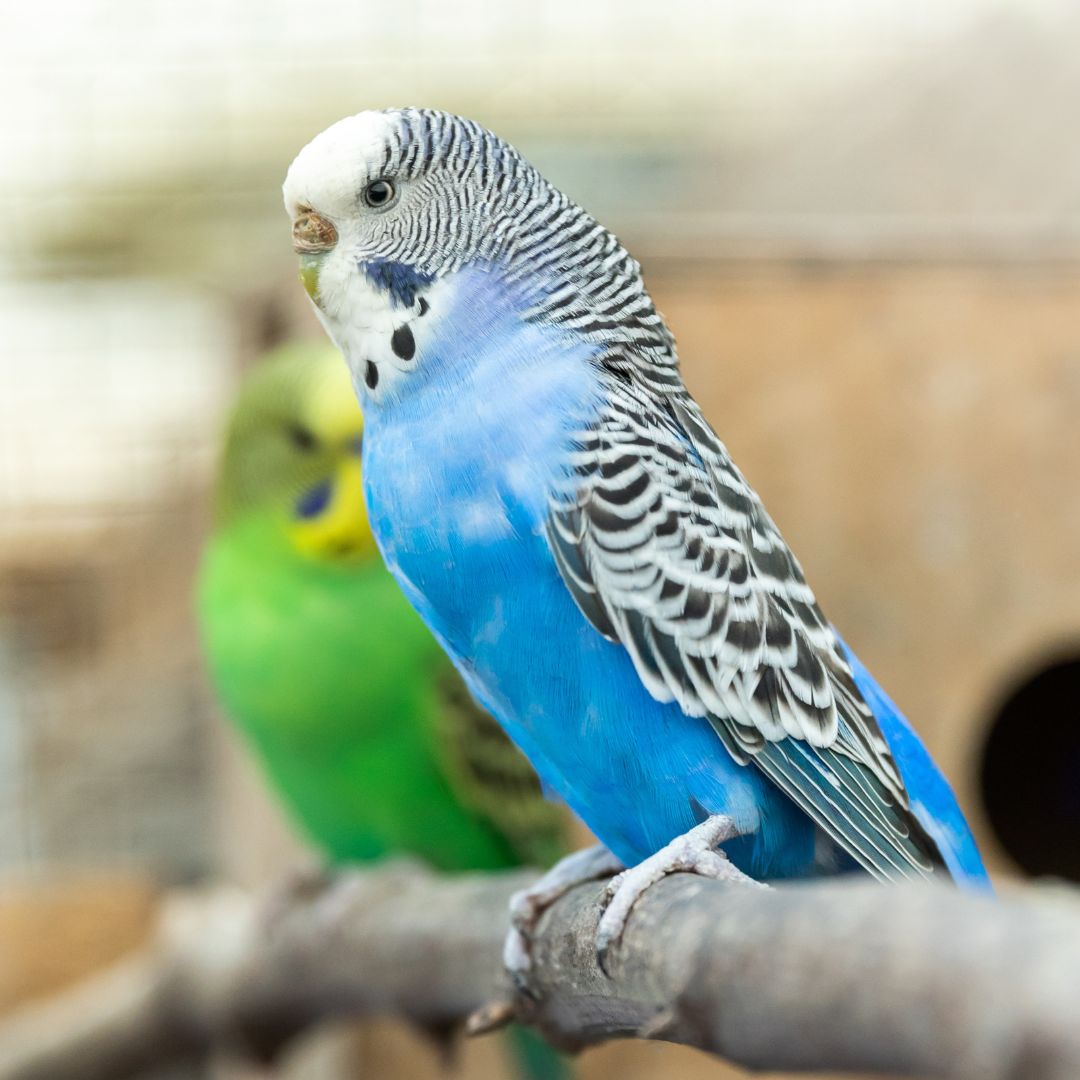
x=457, y=468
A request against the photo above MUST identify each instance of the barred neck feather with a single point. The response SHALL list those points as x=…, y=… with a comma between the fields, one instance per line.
x=578, y=275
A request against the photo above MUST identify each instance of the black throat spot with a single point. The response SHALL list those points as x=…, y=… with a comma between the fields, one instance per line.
x=403, y=343
x=371, y=375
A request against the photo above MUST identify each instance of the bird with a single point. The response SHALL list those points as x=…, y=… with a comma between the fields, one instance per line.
x=360, y=722
x=559, y=511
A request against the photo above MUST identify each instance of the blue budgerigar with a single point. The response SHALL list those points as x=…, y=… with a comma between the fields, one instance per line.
x=561, y=514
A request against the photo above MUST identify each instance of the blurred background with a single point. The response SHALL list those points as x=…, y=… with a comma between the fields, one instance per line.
x=861, y=219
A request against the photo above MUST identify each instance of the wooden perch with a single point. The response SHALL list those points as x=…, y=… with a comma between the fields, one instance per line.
x=846, y=975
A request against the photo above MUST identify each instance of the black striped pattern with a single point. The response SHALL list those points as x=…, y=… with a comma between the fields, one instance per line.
x=482, y=202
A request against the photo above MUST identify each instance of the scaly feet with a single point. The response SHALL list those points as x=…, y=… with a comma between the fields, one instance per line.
x=526, y=907
x=694, y=852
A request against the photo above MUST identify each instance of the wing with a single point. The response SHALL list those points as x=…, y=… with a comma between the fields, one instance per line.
x=667, y=550
x=492, y=778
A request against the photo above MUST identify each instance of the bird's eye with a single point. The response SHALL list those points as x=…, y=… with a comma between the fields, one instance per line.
x=302, y=437
x=312, y=233
x=380, y=194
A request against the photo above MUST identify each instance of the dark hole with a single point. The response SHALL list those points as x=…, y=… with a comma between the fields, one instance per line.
x=1030, y=772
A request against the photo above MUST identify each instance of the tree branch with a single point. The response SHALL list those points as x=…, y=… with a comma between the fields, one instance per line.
x=910, y=980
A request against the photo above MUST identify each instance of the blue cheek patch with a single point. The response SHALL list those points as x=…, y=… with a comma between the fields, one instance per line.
x=400, y=281
x=314, y=501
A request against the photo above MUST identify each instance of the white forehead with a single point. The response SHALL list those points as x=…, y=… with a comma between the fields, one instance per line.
x=327, y=174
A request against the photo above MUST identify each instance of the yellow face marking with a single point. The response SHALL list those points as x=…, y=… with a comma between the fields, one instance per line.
x=340, y=533
x=331, y=409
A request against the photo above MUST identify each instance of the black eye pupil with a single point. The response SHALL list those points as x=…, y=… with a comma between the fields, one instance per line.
x=378, y=193
x=301, y=437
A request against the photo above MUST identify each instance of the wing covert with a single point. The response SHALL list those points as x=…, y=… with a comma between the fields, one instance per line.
x=667, y=550
x=492, y=778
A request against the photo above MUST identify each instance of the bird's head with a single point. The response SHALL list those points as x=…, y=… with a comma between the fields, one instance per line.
x=387, y=206
x=292, y=455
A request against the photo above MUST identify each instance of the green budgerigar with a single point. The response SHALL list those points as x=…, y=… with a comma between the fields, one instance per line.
x=361, y=723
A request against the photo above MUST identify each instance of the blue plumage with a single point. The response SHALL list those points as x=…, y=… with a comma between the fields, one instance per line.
x=401, y=283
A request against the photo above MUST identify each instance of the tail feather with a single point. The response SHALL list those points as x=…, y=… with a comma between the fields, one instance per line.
x=932, y=800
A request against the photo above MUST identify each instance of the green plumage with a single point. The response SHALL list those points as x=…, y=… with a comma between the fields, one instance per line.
x=359, y=720
x=353, y=708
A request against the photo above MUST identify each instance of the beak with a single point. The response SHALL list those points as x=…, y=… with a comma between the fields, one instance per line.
x=309, y=275
x=313, y=236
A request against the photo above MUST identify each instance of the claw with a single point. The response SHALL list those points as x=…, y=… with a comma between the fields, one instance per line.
x=528, y=906
x=488, y=1018
x=516, y=958
x=693, y=852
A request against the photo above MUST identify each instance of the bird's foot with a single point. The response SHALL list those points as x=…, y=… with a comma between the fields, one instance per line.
x=694, y=852
x=527, y=906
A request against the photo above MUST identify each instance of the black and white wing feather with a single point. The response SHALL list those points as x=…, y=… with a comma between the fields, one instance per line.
x=667, y=550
